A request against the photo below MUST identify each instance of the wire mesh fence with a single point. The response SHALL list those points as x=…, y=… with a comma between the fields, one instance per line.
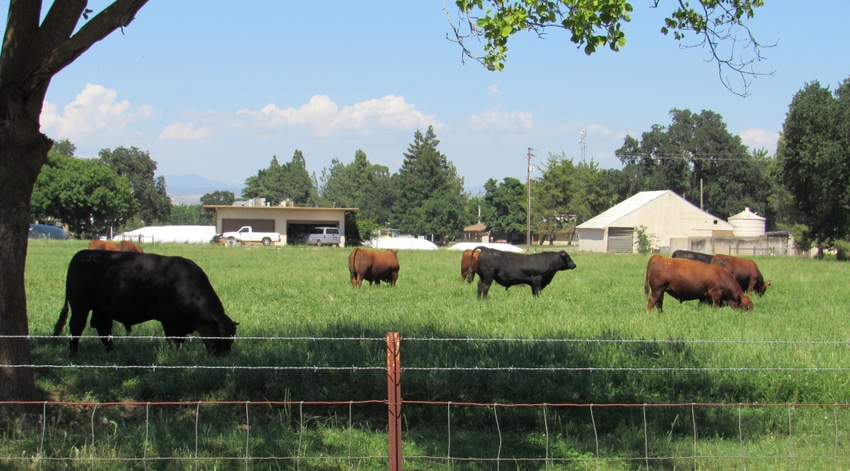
x=354, y=432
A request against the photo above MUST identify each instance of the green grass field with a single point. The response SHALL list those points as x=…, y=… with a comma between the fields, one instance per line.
x=306, y=335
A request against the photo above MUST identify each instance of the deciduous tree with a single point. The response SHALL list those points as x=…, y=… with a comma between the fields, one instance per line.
x=719, y=26
x=136, y=165
x=84, y=194
x=698, y=158
x=36, y=47
x=813, y=157
x=506, y=206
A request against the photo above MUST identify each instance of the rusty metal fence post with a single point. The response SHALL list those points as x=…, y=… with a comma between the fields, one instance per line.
x=394, y=399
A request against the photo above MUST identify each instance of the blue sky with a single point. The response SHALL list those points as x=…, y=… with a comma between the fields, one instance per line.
x=216, y=88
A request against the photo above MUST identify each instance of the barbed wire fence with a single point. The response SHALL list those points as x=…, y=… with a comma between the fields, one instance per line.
x=788, y=449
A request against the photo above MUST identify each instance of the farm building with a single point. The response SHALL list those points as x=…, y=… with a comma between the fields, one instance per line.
x=291, y=222
x=477, y=232
x=664, y=215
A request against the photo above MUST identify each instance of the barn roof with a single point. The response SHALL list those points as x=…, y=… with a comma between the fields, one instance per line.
x=622, y=209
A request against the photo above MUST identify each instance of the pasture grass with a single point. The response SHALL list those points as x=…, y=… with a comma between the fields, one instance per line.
x=291, y=301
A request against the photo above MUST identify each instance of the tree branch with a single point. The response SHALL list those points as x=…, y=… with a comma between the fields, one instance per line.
x=117, y=15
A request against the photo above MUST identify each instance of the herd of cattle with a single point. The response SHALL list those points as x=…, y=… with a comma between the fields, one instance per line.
x=118, y=282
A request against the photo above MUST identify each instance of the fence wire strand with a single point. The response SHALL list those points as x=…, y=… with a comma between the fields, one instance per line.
x=302, y=455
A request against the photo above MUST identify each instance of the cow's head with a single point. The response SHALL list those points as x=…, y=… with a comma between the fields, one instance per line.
x=745, y=304
x=569, y=264
x=220, y=338
x=762, y=288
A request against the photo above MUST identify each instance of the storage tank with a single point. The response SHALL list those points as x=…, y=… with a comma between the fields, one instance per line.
x=747, y=224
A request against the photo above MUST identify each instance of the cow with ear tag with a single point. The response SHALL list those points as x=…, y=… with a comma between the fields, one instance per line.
x=131, y=288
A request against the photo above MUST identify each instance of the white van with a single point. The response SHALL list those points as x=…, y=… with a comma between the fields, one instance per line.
x=322, y=236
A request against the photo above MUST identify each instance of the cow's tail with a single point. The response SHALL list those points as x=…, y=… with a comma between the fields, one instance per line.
x=63, y=317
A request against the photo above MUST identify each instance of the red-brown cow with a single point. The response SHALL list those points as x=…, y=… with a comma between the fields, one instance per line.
x=373, y=265
x=687, y=280
x=469, y=264
x=123, y=246
x=745, y=271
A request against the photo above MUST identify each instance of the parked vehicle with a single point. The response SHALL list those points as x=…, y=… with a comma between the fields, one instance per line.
x=322, y=236
x=247, y=234
x=44, y=231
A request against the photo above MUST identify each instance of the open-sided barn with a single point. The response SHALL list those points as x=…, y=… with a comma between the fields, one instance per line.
x=664, y=215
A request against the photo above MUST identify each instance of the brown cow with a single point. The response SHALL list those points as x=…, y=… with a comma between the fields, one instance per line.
x=372, y=265
x=123, y=246
x=469, y=264
x=686, y=280
x=745, y=271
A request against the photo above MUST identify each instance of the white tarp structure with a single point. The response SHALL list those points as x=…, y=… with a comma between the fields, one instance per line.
x=402, y=243
x=489, y=245
x=169, y=234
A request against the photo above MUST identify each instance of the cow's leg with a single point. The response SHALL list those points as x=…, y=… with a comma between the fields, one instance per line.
x=175, y=332
x=483, y=287
x=103, y=324
x=656, y=299
x=76, y=326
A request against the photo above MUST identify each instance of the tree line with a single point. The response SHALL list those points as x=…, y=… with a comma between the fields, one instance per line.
x=803, y=189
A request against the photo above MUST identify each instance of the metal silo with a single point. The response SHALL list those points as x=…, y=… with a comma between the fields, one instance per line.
x=747, y=224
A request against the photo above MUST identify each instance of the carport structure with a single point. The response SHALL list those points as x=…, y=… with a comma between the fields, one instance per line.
x=289, y=221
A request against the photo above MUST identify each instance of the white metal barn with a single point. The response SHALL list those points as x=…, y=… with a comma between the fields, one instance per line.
x=664, y=214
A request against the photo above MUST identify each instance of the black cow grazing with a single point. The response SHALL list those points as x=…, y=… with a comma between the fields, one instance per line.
x=509, y=269
x=132, y=288
x=698, y=256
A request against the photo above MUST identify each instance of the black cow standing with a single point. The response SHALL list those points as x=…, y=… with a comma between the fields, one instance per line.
x=697, y=256
x=509, y=269
x=132, y=288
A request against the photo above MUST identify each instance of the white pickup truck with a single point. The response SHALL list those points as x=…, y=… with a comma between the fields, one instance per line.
x=247, y=234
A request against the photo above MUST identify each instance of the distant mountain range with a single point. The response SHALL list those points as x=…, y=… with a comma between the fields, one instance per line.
x=188, y=189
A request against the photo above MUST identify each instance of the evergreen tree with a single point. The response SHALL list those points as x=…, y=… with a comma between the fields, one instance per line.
x=277, y=183
x=429, y=197
x=361, y=185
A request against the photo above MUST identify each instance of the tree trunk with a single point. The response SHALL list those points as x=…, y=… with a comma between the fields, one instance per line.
x=23, y=150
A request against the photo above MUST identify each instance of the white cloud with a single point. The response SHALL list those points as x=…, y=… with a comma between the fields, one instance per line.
x=493, y=89
x=760, y=139
x=94, y=110
x=184, y=132
x=324, y=116
x=499, y=120
x=598, y=130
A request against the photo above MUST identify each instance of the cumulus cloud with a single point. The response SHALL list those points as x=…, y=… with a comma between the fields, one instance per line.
x=499, y=120
x=184, y=132
x=760, y=139
x=94, y=110
x=325, y=117
x=493, y=89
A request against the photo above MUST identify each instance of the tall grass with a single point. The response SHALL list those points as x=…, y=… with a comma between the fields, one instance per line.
x=588, y=335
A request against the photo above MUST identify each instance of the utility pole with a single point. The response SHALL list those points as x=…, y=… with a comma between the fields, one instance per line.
x=528, y=200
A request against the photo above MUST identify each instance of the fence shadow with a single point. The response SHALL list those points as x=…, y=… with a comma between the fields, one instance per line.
x=346, y=363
